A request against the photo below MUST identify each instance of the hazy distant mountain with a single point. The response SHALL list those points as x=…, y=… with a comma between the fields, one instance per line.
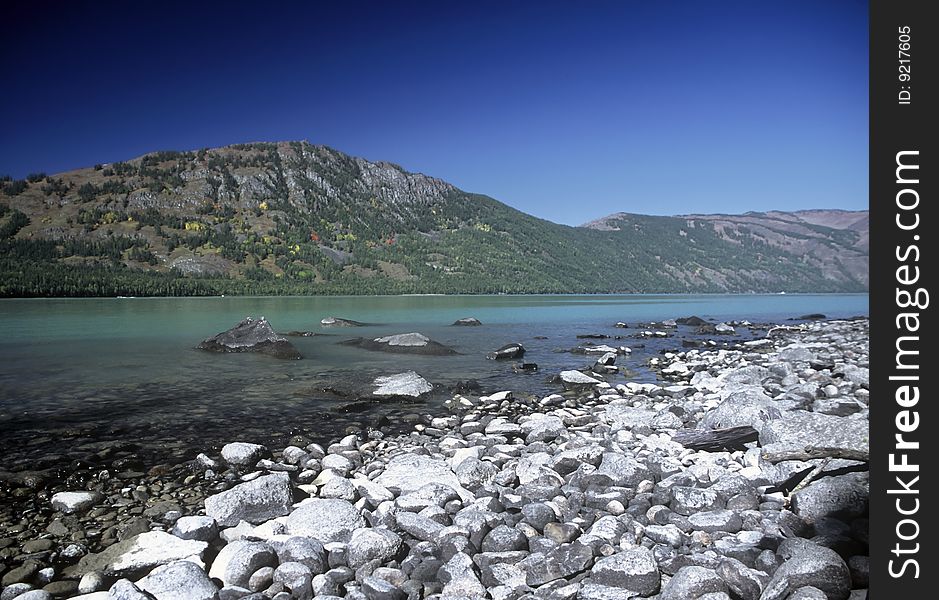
x=292, y=217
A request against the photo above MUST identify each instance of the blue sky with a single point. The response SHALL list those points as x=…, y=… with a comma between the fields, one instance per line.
x=568, y=111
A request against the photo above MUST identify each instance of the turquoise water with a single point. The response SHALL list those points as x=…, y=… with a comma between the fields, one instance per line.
x=129, y=365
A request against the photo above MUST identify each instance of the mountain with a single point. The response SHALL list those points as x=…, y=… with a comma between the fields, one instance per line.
x=295, y=218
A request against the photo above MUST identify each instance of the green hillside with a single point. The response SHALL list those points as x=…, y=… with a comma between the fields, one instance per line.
x=293, y=218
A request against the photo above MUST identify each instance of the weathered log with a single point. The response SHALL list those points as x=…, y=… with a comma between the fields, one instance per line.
x=810, y=452
x=715, y=440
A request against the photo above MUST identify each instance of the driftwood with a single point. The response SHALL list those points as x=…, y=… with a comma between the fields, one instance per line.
x=715, y=440
x=810, y=452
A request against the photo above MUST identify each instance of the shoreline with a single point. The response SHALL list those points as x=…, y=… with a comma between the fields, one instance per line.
x=589, y=498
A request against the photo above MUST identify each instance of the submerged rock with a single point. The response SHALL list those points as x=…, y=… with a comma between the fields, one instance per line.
x=403, y=343
x=408, y=383
x=467, y=322
x=251, y=335
x=340, y=322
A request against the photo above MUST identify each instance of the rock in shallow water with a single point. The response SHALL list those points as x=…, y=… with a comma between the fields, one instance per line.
x=75, y=502
x=252, y=335
x=408, y=383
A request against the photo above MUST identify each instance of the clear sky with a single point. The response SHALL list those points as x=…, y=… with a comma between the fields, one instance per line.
x=565, y=110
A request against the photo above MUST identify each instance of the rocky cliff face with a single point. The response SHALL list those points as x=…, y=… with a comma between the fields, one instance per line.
x=301, y=218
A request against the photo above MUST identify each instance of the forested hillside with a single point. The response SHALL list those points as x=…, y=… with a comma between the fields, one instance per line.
x=294, y=218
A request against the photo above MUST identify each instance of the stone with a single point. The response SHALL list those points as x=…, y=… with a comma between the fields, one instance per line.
x=201, y=528
x=459, y=578
x=339, y=322
x=808, y=564
x=542, y=428
x=418, y=526
x=124, y=589
x=504, y=539
x=743, y=581
x=800, y=428
x=379, y=589
x=402, y=343
x=576, y=378
x=243, y=454
x=141, y=553
x=507, y=352
x=409, y=472
x=305, y=550
x=296, y=577
x=21, y=574
x=15, y=590
x=261, y=579
x=371, y=544
x=408, y=384
x=747, y=407
x=429, y=494
x=842, y=497
x=467, y=322
x=692, y=582
x=181, y=580
x=716, y=520
x=238, y=560
x=633, y=569
x=689, y=500
x=255, y=501
x=620, y=470
x=75, y=502
x=327, y=520
x=251, y=335
x=93, y=581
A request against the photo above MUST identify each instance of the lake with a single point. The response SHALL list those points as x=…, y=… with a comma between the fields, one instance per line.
x=77, y=371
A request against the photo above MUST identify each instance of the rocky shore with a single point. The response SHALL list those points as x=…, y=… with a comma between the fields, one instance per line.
x=600, y=493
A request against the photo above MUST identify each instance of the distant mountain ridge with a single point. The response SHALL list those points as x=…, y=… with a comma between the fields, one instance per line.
x=292, y=217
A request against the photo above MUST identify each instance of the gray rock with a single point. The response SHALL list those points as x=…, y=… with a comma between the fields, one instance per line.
x=808, y=564
x=261, y=579
x=409, y=472
x=459, y=578
x=124, y=589
x=504, y=539
x=255, y=501
x=576, y=378
x=750, y=375
x=328, y=520
x=743, y=581
x=799, y=428
x=93, y=581
x=716, y=520
x=14, y=590
x=180, y=580
x=339, y=322
x=542, y=428
x=622, y=415
x=467, y=322
x=140, y=554
x=375, y=493
x=747, y=407
x=370, y=544
x=75, y=502
x=296, y=577
x=243, y=454
x=379, y=589
x=507, y=352
x=473, y=472
x=620, y=470
x=808, y=593
x=633, y=569
x=251, y=335
x=688, y=500
x=403, y=343
x=237, y=561
x=429, y=494
x=538, y=514
x=692, y=582
x=304, y=550
x=201, y=528
x=418, y=526
x=843, y=497
x=408, y=384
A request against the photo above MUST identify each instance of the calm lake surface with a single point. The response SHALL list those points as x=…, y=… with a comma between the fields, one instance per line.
x=76, y=370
